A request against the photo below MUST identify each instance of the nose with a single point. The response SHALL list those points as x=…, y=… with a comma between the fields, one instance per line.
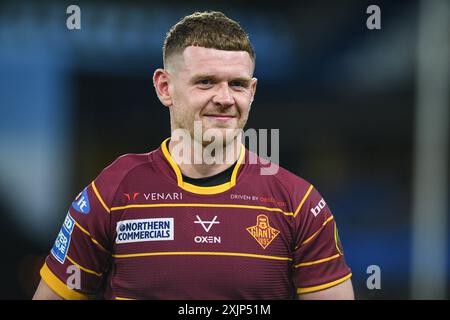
x=223, y=96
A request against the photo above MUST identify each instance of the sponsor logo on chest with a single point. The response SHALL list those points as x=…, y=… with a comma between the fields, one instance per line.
x=207, y=225
x=155, y=229
x=262, y=232
x=153, y=196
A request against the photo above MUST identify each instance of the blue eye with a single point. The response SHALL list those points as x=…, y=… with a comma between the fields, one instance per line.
x=204, y=82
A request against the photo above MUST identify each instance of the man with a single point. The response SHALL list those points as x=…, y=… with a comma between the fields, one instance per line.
x=163, y=225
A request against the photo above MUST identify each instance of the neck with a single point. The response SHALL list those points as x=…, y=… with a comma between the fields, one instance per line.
x=196, y=160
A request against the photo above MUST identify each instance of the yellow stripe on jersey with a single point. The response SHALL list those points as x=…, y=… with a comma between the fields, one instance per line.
x=60, y=287
x=172, y=162
x=303, y=200
x=231, y=254
x=305, y=264
x=90, y=236
x=122, y=298
x=323, y=286
x=202, y=190
x=238, y=164
x=206, y=205
x=99, y=197
x=83, y=268
x=315, y=233
x=206, y=190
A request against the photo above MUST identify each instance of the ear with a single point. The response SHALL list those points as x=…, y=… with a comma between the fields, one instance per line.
x=161, y=82
x=253, y=88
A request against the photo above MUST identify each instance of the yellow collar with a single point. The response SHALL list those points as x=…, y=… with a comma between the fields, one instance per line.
x=202, y=190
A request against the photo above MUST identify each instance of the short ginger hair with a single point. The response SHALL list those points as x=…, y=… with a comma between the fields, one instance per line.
x=210, y=29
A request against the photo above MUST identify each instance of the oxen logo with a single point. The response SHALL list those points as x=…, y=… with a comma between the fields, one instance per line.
x=206, y=224
x=262, y=231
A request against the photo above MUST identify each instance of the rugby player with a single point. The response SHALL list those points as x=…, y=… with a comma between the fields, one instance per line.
x=155, y=226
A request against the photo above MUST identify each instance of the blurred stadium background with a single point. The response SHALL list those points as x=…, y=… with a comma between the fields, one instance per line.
x=345, y=99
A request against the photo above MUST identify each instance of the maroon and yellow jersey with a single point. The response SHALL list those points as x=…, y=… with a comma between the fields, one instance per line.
x=138, y=231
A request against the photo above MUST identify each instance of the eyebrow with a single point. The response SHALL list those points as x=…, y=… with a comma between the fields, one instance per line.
x=198, y=77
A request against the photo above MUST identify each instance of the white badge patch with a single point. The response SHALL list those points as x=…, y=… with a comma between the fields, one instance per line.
x=156, y=229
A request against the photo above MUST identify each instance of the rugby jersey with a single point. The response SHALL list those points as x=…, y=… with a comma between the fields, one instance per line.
x=138, y=231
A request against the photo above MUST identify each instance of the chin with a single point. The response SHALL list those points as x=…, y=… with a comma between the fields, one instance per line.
x=226, y=135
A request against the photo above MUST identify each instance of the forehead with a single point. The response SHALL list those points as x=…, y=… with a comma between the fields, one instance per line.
x=199, y=60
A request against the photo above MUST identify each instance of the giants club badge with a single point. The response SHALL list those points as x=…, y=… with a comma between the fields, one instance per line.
x=262, y=231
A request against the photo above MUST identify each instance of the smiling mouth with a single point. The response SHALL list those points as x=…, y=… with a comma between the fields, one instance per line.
x=220, y=117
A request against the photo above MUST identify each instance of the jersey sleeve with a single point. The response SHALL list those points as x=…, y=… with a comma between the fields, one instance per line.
x=80, y=257
x=318, y=255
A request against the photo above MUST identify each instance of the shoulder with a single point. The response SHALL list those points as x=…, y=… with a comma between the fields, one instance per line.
x=304, y=198
x=271, y=173
x=111, y=177
x=122, y=165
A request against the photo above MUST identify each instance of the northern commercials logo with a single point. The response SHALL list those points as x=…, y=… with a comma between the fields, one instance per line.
x=207, y=225
x=262, y=231
x=156, y=229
